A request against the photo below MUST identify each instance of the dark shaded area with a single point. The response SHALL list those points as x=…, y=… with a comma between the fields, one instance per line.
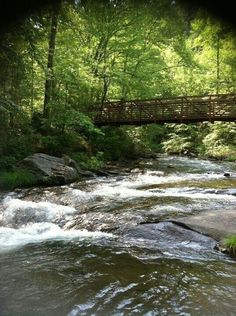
x=223, y=10
x=13, y=11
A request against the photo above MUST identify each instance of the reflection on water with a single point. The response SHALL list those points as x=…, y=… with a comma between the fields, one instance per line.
x=77, y=249
x=84, y=278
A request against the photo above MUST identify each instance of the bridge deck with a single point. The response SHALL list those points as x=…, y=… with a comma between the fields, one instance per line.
x=184, y=109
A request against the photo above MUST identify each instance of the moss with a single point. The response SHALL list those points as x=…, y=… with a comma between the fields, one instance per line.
x=230, y=245
x=18, y=178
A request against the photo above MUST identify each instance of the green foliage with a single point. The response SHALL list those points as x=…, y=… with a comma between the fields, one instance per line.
x=216, y=140
x=116, y=144
x=108, y=50
x=182, y=139
x=177, y=144
x=88, y=162
x=65, y=118
x=60, y=143
x=230, y=244
x=221, y=141
x=16, y=179
x=231, y=157
x=7, y=162
x=151, y=137
x=9, y=106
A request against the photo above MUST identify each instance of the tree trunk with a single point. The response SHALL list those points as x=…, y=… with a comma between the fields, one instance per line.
x=51, y=52
x=32, y=88
x=106, y=83
x=217, y=63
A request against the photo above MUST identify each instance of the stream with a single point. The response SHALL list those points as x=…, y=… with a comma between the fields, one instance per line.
x=107, y=246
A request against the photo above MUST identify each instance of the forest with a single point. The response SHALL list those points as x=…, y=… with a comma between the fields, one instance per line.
x=57, y=63
x=102, y=219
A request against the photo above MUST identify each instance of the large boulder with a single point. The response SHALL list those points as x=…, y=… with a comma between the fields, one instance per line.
x=51, y=170
x=217, y=224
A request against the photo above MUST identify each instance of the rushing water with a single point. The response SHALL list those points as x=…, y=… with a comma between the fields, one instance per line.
x=68, y=250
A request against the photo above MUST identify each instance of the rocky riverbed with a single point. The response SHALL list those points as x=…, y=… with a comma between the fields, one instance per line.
x=123, y=244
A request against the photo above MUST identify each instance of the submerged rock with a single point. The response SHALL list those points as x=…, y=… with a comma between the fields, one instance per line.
x=226, y=191
x=170, y=235
x=51, y=170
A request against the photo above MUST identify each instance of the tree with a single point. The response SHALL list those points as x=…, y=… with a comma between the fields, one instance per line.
x=49, y=82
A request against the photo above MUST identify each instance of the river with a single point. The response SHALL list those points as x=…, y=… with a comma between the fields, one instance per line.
x=87, y=248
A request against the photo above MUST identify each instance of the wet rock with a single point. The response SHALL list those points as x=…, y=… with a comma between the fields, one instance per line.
x=120, y=178
x=102, y=173
x=114, y=172
x=192, y=155
x=226, y=174
x=86, y=173
x=216, y=224
x=211, y=191
x=50, y=170
x=224, y=191
x=170, y=235
x=157, y=173
x=232, y=192
x=218, y=191
x=149, y=155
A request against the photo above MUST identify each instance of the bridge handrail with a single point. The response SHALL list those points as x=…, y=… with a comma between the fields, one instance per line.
x=203, y=97
x=169, y=109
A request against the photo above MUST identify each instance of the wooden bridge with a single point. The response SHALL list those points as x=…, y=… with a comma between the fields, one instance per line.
x=184, y=109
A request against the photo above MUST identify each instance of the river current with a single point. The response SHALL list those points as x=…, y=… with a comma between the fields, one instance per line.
x=71, y=250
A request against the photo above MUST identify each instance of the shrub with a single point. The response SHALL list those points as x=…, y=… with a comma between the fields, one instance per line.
x=182, y=138
x=85, y=161
x=7, y=162
x=221, y=141
x=177, y=144
x=116, y=144
x=230, y=244
x=10, y=180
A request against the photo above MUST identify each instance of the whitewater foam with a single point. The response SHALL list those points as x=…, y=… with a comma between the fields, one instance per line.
x=37, y=232
x=17, y=212
x=76, y=195
x=130, y=187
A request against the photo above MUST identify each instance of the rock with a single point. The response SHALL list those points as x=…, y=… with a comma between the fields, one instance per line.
x=157, y=173
x=232, y=192
x=149, y=155
x=86, y=173
x=114, y=172
x=216, y=224
x=167, y=235
x=102, y=173
x=120, y=178
x=50, y=170
x=222, y=191
x=192, y=155
x=226, y=174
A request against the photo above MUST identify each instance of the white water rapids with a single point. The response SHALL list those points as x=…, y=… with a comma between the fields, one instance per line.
x=25, y=221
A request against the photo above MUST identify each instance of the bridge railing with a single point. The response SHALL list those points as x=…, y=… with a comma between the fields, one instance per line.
x=174, y=109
